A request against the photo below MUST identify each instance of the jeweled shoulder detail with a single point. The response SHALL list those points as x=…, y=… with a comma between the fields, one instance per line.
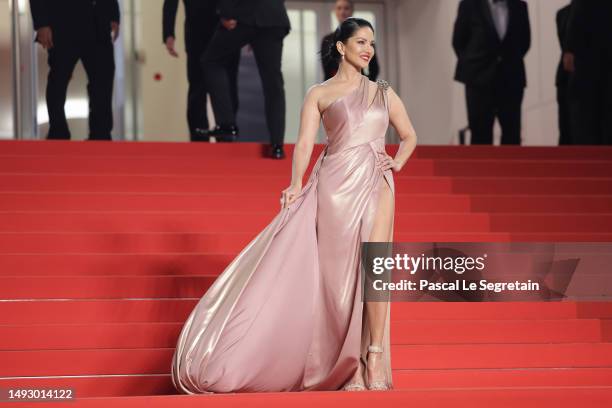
x=382, y=84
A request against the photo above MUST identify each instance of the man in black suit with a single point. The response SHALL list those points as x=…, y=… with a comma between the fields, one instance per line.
x=589, y=56
x=562, y=81
x=491, y=39
x=263, y=24
x=201, y=20
x=73, y=30
x=343, y=9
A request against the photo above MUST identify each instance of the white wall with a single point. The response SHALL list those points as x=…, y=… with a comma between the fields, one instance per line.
x=163, y=102
x=435, y=102
x=6, y=78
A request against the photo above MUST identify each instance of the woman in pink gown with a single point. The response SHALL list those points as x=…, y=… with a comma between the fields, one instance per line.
x=287, y=313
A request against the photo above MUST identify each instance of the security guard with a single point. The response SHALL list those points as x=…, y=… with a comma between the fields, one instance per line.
x=73, y=30
x=201, y=20
x=491, y=39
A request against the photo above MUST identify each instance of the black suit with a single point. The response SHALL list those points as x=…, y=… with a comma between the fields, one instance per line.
x=263, y=24
x=258, y=13
x=70, y=19
x=562, y=80
x=589, y=38
x=492, y=69
x=201, y=21
x=330, y=66
x=81, y=31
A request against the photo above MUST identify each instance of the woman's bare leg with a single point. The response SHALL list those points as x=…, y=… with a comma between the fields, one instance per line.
x=377, y=311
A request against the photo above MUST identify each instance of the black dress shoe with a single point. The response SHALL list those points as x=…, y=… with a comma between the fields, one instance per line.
x=96, y=139
x=224, y=133
x=277, y=152
x=201, y=135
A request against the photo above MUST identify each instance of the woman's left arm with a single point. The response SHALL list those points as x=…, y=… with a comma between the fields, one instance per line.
x=403, y=125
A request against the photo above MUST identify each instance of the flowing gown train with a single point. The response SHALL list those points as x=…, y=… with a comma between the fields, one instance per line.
x=287, y=313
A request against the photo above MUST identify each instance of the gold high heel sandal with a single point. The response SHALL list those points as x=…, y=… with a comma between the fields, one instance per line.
x=356, y=386
x=376, y=385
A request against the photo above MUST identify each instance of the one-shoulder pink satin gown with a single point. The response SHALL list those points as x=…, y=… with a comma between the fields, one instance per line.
x=287, y=313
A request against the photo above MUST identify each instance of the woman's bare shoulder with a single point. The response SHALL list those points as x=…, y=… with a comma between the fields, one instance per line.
x=319, y=88
x=323, y=86
x=322, y=91
x=313, y=92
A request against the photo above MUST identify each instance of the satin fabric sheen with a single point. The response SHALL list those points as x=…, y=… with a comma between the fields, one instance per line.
x=287, y=313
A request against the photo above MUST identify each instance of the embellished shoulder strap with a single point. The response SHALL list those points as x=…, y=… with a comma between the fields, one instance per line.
x=384, y=85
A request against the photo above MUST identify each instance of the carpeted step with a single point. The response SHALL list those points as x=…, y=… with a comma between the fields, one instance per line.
x=177, y=310
x=406, y=183
x=12, y=204
x=259, y=167
x=456, y=331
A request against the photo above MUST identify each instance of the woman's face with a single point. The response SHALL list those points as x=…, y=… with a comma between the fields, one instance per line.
x=343, y=10
x=359, y=49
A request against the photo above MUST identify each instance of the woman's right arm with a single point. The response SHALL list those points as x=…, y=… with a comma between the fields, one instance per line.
x=310, y=118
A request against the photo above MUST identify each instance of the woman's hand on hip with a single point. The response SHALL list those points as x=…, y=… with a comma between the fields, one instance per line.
x=386, y=162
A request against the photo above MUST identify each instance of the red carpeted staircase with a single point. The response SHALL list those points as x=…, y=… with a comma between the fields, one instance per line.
x=105, y=248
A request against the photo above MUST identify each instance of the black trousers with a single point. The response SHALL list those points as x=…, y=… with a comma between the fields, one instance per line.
x=99, y=63
x=485, y=104
x=267, y=43
x=196, y=95
x=564, y=113
x=591, y=105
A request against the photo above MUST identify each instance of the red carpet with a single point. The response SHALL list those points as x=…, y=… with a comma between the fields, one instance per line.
x=106, y=247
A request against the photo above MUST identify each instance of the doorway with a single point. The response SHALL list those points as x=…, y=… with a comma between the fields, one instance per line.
x=310, y=22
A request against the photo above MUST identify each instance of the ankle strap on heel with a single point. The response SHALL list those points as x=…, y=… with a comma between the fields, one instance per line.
x=375, y=349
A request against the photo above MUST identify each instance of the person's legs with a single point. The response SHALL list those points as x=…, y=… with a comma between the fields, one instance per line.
x=233, y=66
x=268, y=49
x=586, y=100
x=99, y=63
x=222, y=48
x=382, y=230
x=598, y=108
x=586, y=129
x=563, y=103
x=481, y=114
x=196, y=94
x=509, y=103
x=62, y=59
x=607, y=101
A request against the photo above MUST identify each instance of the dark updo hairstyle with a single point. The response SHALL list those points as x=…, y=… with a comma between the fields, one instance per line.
x=346, y=30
